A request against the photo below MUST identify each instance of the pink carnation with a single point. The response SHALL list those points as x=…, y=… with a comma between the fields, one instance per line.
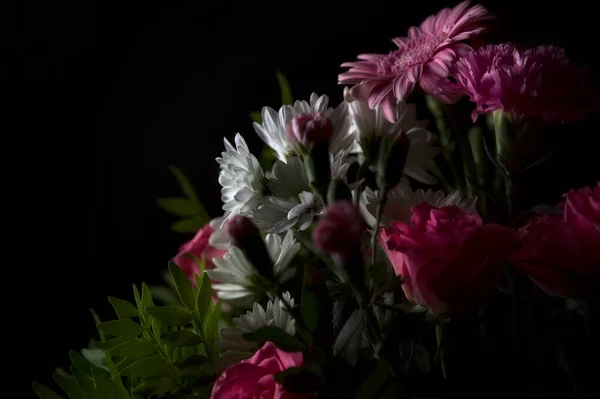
x=254, y=377
x=426, y=57
x=561, y=254
x=449, y=259
x=197, y=247
x=538, y=82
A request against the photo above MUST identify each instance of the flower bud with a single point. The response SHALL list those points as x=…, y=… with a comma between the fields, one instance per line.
x=339, y=230
x=393, y=152
x=310, y=129
x=245, y=235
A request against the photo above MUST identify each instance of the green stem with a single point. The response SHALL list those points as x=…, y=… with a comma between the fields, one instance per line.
x=467, y=155
x=378, y=213
x=441, y=342
x=164, y=355
x=198, y=326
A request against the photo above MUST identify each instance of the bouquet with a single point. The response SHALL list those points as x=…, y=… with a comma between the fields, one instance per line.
x=368, y=253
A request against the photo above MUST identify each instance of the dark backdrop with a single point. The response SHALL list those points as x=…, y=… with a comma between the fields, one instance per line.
x=119, y=90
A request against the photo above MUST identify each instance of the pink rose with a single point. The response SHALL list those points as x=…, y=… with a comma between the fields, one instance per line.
x=561, y=254
x=198, y=247
x=254, y=377
x=449, y=259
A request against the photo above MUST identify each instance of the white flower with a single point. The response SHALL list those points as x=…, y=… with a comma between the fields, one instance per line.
x=241, y=177
x=276, y=215
x=402, y=197
x=233, y=272
x=291, y=202
x=218, y=239
x=273, y=133
x=368, y=122
x=275, y=315
x=339, y=165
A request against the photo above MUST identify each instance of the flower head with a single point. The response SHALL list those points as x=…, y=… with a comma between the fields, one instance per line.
x=308, y=129
x=274, y=133
x=275, y=315
x=241, y=178
x=402, y=198
x=425, y=57
x=370, y=123
x=448, y=258
x=339, y=229
x=195, y=250
x=234, y=273
x=255, y=377
x=539, y=82
x=560, y=253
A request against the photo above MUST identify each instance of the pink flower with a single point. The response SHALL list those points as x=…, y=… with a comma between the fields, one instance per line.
x=197, y=247
x=254, y=377
x=561, y=254
x=449, y=259
x=538, y=82
x=310, y=128
x=339, y=229
x=426, y=57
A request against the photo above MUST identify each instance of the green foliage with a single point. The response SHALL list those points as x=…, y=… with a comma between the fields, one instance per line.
x=148, y=351
x=277, y=336
x=189, y=207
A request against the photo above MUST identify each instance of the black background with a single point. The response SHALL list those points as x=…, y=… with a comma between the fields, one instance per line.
x=119, y=90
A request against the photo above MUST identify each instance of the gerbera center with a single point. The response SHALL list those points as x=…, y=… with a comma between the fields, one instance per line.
x=415, y=52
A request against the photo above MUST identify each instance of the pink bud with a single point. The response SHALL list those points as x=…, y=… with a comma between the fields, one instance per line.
x=309, y=129
x=241, y=230
x=339, y=229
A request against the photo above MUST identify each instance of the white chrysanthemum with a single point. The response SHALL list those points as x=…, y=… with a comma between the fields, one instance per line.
x=291, y=202
x=275, y=315
x=402, y=197
x=241, y=177
x=368, y=122
x=233, y=272
x=273, y=133
x=276, y=215
x=218, y=239
x=339, y=165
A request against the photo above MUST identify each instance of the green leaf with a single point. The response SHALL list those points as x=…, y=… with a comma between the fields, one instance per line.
x=374, y=382
x=105, y=388
x=191, y=360
x=83, y=380
x=298, y=380
x=256, y=116
x=44, y=392
x=279, y=337
x=80, y=362
x=309, y=307
x=182, y=338
x=111, y=343
x=179, y=206
x=157, y=386
x=145, y=302
x=204, y=297
x=189, y=225
x=136, y=295
x=94, y=356
x=133, y=348
x=146, y=367
x=124, y=307
x=284, y=87
x=183, y=286
x=70, y=386
x=170, y=315
x=184, y=182
x=415, y=356
x=121, y=328
x=164, y=295
x=349, y=339
x=210, y=327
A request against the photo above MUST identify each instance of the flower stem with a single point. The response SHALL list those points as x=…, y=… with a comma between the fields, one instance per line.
x=378, y=213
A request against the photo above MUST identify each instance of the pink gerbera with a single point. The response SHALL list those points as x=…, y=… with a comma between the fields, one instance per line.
x=425, y=56
x=540, y=82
